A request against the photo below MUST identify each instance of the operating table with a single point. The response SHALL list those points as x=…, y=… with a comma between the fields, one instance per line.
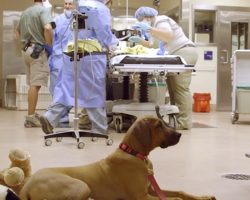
x=147, y=65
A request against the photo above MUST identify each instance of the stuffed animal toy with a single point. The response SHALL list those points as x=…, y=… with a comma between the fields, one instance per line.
x=19, y=171
x=7, y=194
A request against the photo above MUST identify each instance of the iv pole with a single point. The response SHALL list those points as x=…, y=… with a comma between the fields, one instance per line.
x=75, y=59
x=76, y=133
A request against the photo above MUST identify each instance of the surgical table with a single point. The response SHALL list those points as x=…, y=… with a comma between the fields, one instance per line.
x=144, y=65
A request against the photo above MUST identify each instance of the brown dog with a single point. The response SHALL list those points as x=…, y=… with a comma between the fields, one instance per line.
x=123, y=175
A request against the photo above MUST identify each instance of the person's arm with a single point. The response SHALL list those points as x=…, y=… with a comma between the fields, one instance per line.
x=48, y=34
x=17, y=35
x=145, y=43
x=46, y=20
x=163, y=32
x=17, y=32
x=162, y=35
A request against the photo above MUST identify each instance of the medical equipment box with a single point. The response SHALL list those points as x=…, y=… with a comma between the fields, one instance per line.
x=16, y=94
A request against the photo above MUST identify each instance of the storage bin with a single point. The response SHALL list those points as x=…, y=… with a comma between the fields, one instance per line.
x=201, y=102
x=16, y=94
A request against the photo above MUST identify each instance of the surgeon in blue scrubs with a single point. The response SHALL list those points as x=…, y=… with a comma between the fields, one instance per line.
x=91, y=74
x=61, y=35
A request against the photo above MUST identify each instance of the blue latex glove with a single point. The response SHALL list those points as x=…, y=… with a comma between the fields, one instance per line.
x=161, y=48
x=135, y=39
x=145, y=35
x=48, y=49
x=144, y=26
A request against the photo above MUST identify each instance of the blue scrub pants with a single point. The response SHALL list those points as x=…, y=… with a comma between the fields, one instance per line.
x=53, y=81
x=97, y=116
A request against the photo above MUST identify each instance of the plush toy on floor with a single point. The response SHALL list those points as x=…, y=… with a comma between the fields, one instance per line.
x=19, y=171
x=7, y=194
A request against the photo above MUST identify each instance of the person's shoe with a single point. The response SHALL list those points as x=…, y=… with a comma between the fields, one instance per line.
x=84, y=122
x=46, y=126
x=180, y=127
x=32, y=121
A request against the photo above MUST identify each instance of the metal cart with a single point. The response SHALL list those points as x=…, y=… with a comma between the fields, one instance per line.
x=144, y=65
x=240, y=84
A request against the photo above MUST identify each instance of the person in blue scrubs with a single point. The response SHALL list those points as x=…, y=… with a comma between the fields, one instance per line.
x=61, y=35
x=91, y=73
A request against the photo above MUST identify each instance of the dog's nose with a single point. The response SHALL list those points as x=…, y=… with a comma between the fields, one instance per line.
x=178, y=134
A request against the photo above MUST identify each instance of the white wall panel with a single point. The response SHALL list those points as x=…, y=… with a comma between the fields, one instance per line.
x=240, y=3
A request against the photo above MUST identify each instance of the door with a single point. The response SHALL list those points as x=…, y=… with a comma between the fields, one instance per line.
x=232, y=33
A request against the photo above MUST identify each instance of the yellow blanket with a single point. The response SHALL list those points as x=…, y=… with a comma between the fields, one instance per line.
x=85, y=46
x=138, y=49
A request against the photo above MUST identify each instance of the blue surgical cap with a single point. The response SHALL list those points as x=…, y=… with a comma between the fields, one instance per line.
x=142, y=12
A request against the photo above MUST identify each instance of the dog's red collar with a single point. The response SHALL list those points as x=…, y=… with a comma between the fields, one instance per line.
x=131, y=151
x=151, y=177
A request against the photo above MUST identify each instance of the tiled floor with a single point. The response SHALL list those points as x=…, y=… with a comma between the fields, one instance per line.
x=195, y=165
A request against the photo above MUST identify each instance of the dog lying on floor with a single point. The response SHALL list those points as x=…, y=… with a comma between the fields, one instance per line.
x=123, y=175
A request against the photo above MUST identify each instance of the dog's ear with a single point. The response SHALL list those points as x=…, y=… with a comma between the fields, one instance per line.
x=142, y=132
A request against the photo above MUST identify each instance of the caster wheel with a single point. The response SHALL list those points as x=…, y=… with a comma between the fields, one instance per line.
x=94, y=139
x=109, y=142
x=59, y=139
x=118, y=124
x=80, y=145
x=48, y=142
x=234, y=117
x=172, y=121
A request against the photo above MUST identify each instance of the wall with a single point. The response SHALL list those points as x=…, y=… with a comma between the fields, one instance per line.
x=8, y=5
x=207, y=70
x=205, y=78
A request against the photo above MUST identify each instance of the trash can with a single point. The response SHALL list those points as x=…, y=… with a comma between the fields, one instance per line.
x=201, y=102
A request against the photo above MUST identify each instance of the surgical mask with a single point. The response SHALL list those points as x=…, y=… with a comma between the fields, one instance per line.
x=68, y=13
